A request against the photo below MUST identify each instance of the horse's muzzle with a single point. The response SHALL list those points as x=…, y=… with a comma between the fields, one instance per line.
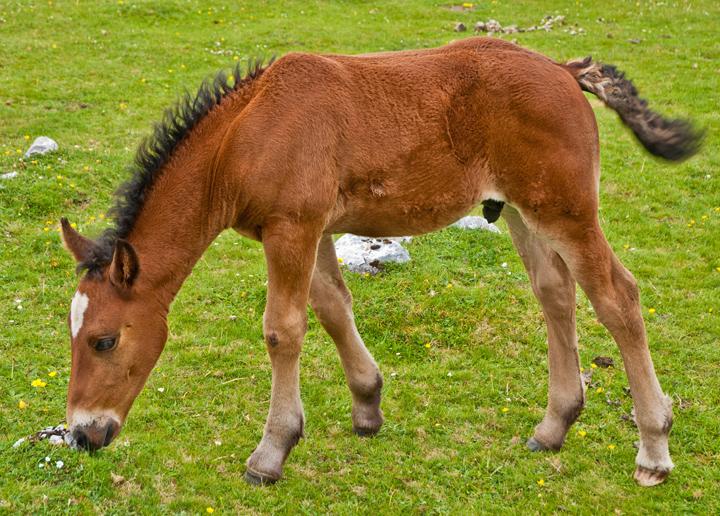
x=94, y=436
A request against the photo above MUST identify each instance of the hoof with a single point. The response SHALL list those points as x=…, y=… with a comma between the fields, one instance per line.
x=258, y=479
x=650, y=477
x=535, y=445
x=365, y=432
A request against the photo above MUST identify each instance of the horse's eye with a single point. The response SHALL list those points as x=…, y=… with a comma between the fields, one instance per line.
x=105, y=344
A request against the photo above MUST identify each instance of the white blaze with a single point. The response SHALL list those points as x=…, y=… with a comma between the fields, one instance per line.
x=77, y=312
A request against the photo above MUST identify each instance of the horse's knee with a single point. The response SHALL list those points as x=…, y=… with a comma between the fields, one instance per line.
x=285, y=333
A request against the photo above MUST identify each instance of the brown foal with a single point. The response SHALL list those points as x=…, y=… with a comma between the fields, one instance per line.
x=382, y=144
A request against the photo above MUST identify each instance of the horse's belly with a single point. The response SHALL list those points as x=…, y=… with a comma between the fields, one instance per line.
x=398, y=217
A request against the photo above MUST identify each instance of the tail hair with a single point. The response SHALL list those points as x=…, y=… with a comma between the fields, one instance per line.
x=670, y=139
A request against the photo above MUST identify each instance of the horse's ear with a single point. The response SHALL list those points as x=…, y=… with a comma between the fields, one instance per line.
x=125, y=266
x=79, y=246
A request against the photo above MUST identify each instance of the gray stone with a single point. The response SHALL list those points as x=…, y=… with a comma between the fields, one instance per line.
x=493, y=26
x=366, y=255
x=41, y=145
x=69, y=440
x=460, y=27
x=475, y=222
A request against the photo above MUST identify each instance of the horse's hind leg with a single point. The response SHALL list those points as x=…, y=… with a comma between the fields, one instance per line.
x=554, y=288
x=290, y=251
x=332, y=303
x=614, y=294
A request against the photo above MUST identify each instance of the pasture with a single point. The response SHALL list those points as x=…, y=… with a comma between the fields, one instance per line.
x=457, y=333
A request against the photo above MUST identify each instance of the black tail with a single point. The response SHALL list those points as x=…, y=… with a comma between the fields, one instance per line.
x=673, y=140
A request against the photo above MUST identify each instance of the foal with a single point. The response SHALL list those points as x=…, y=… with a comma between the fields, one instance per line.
x=382, y=144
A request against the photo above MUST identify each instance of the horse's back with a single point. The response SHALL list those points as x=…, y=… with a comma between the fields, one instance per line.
x=407, y=142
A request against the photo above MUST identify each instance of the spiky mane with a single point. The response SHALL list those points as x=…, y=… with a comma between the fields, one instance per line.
x=155, y=151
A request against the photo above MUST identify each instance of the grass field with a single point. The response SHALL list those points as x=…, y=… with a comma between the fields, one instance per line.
x=95, y=75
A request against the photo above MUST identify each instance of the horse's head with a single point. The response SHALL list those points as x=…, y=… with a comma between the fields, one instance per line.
x=117, y=332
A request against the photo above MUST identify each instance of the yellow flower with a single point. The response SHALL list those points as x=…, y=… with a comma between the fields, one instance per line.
x=541, y=482
x=340, y=260
x=52, y=374
x=611, y=447
x=599, y=390
x=22, y=405
x=27, y=136
x=717, y=269
x=582, y=433
x=505, y=410
x=428, y=345
x=73, y=225
x=38, y=383
x=86, y=168
x=594, y=366
x=210, y=510
x=46, y=229
x=651, y=311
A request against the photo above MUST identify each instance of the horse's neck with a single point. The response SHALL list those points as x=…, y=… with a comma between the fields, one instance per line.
x=185, y=209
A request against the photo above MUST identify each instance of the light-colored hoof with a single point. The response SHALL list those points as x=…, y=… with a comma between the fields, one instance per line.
x=258, y=479
x=536, y=446
x=650, y=477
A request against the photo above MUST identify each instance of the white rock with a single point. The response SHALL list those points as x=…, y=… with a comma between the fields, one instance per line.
x=69, y=440
x=19, y=442
x=8, y=175
x=365, y=254
x=41, y=145
x=476, y=222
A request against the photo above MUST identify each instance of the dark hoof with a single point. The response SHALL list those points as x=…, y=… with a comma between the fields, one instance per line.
x=365, y=432
x=257, y=479
x=535, y=445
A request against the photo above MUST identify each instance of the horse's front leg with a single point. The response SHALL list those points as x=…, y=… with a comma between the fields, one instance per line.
x=290, y=251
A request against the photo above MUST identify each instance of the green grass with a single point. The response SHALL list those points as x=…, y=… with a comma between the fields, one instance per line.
x=95, y=77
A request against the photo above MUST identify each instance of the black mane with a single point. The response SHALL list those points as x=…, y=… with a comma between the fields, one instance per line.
x=155, y=151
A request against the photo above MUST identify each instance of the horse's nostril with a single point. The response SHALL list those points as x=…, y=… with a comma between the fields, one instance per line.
x=110, y=432
x=81, y=439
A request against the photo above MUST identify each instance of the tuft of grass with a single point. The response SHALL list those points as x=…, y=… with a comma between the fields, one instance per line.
x=95, y=77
